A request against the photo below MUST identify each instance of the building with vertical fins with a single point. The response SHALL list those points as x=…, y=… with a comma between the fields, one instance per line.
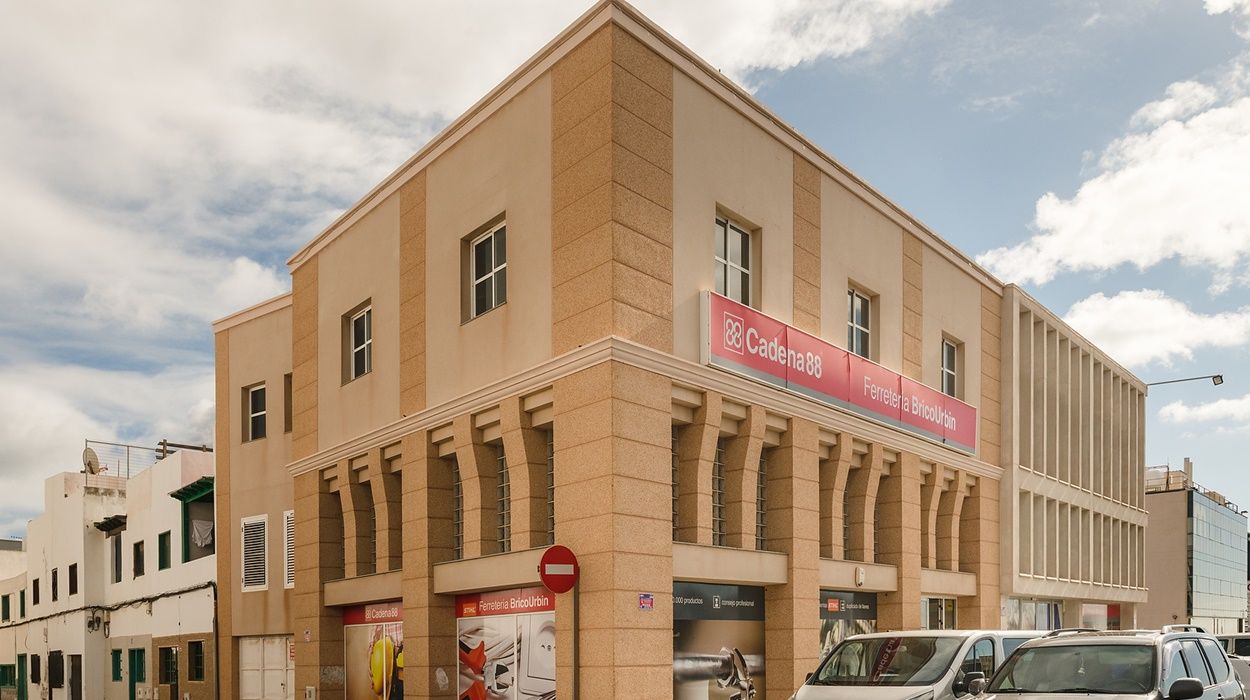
x=620, y=306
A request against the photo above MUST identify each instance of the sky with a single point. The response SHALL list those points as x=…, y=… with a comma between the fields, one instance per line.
x=161, y=161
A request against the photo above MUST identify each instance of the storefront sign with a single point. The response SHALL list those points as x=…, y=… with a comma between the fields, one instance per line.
x=506, y=645
x=745, y=341
x=718, y=640
x=844, y=613
x=373, y=639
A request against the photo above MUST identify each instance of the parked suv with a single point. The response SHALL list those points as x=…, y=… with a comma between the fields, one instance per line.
x=919, y=665
x=1173, y=664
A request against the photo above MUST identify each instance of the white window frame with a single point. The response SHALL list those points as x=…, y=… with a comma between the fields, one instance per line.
x=950, y=373
x=503, y=503
x=477, y=276
x=724, y=263
x=252, y=415
x=719, y=495
x=355, y=345
x=457, y=511
x=288, y=548
x=853, y=329
x=551, y=486
x=761, y=502
x=263, y=519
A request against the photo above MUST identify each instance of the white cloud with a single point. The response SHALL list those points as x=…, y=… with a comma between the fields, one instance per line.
x=1184, y=99
x=1235, y=411
x=1175, y=190
x=1138, y=328
x=1234, y=7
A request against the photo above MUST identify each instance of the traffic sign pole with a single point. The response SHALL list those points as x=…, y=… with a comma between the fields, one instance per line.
x=559, y=572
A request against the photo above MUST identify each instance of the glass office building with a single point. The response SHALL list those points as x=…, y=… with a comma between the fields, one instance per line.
x=1217, y=564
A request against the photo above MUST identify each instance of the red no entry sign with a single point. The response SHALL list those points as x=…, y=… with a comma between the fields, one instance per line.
x=558, y=569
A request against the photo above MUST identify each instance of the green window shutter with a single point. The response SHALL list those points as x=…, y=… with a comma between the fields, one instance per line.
x=162, y=546
x=117, y=664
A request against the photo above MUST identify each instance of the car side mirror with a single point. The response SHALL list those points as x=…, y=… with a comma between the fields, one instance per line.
x=1185, y=689
x=964, y=685
x=976, y=686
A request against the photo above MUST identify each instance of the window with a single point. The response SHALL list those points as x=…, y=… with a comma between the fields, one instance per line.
x=1215, y=658
x=676, y=489
x=858, y=323
x=950, y=371
x=1194, y=662
x=287, y=405
x=36, y=671
x=117, y=557
x=115, y=663
x=718, y=495
x=162, y=551
x=73, y=579
x=5, y=611
x=488, y=276
x=255, y=553
x=167, y=665
x=288, y=544
x=733, y=261
x=195, y=662
x=8, y=675
x=56, y=669
x=937, y=613
x=137, y=556
x=503, y=500
x=359, y=342
x=254, y=408
x=551, y=488
x=980, y=659
x=139, y=657
x=457, y=512
x=34, y=592
x=761, y=503
x=21, y=603
x=55, y=588
x=1174, y=669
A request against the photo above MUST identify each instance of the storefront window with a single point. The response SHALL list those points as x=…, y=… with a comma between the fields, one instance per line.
x=937, y=614
x=845, y=613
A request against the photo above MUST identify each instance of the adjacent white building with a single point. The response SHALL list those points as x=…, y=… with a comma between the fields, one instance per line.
x=115, y=600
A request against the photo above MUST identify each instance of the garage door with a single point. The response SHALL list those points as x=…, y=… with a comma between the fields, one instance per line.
x=266, y=668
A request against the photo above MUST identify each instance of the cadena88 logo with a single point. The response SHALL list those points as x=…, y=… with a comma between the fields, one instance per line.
x=735, y=329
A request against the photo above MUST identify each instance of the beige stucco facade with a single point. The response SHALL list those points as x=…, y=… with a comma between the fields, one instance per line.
x=609, y=157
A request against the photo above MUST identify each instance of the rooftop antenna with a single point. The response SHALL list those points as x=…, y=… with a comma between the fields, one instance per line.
x=90, y=461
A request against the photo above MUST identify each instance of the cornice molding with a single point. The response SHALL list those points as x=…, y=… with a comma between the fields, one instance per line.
x=682, y=372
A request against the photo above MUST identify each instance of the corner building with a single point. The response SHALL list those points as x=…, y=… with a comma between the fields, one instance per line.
x=620, y=306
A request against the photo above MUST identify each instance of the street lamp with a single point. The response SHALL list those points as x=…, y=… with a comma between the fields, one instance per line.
x=1216, y=379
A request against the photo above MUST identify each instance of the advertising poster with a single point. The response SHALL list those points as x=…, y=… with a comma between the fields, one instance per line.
x=844, y=613
x=506, y=645
x=718, y=641
x=373, y=636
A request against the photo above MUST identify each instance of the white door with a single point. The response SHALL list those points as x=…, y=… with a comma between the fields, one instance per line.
x=266, y=669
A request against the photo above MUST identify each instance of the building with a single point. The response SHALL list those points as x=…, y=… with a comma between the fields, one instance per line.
x=116, y=598
x=620, y=306
x=1207, y=533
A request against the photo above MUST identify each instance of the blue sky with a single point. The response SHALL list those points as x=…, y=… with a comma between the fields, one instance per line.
x=160, y=162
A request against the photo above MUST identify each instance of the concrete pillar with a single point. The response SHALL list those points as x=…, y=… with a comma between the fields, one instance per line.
x=358, y=529
x=319, y=557
x=525, y=449
x=950, y=506
x=613, y=460
x=791, y=611
x=696, y=452
x=833, y=483
x=978, y=554
x=386, y=482
x=863, y=483
x=479, y=478
x=899, y=530
x=742, y=467
x=429, y=619
x=930, y=491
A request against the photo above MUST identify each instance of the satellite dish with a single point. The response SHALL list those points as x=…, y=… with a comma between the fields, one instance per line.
x=90, y=462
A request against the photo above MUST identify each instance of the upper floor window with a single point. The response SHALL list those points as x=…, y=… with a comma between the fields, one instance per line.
x=733, y=261
x=117, y=556
x=55, y=592
x=73, y=579
x=254, y=407
x=950, y=368
x=488, y=275
x=137, y=559
x=858, y=323
x=34, y=592
x=360, y=343
x=503, y=496
x=254, y=557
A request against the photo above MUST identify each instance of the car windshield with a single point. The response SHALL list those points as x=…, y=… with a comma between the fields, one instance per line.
x=1084, y=668
x=888, y=661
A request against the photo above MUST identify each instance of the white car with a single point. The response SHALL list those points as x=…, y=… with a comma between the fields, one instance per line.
x=917, y=665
